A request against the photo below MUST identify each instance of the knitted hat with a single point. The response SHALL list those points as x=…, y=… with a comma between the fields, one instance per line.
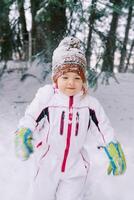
x=68, y=57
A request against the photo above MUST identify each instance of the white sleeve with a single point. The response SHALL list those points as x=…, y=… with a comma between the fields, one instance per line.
x=104, y=132
x=40, y=101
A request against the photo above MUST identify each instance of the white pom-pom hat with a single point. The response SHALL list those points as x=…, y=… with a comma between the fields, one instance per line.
x=69, y=57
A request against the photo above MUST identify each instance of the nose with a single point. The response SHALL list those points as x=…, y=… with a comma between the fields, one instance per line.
x=71, y=82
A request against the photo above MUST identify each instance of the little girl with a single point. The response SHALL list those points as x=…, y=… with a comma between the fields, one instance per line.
x=66, y=115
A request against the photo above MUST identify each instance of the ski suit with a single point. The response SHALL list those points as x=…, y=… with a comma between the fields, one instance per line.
x=65, y=124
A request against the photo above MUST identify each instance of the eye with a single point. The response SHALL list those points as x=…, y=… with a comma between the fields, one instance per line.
x=64, y=77
x=78, y=78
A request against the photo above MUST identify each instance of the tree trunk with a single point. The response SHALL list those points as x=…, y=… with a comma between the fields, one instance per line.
x=129, y=57
x=22, y=34
x=22, y=20
x=124, y=47
x=50, y=31
x=108, y=57
x=56, y=27
x=5, y=32
x=91, y=27
x=36, y=35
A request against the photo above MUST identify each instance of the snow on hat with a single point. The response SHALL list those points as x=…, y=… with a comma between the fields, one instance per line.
x=67, y=57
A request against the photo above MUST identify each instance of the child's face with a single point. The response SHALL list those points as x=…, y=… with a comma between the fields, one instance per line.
x=70, y=83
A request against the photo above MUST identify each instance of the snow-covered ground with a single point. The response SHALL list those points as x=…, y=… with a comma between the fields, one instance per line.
x=118, y=102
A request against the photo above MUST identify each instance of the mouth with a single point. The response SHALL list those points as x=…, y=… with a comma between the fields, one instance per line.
x=70, y=88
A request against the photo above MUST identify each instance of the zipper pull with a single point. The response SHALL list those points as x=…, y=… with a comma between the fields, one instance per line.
x=77, y=124
x=62, y=123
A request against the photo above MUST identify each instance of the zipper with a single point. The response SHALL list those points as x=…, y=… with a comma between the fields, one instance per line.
x=44, y=155
x=62, y=123
x=69, y=131
x=77, y=124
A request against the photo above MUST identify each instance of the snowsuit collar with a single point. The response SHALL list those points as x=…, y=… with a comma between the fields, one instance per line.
x=78, y=96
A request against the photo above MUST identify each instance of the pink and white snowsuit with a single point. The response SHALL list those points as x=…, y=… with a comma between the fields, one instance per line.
x=65, y=124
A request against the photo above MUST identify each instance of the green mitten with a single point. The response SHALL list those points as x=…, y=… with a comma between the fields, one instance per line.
x=117, y=158
x=23, y=143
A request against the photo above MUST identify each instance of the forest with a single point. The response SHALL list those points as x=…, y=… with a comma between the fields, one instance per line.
x=31, y=29
x=29, y=32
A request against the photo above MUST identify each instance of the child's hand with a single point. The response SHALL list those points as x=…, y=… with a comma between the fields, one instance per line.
x=23, y=143
x=117, y=158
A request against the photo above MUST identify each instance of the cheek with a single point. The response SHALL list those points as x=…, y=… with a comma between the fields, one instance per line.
x=60, y=84
x=80, y=86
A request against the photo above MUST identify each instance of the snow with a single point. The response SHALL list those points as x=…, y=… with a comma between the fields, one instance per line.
x=117, y=100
